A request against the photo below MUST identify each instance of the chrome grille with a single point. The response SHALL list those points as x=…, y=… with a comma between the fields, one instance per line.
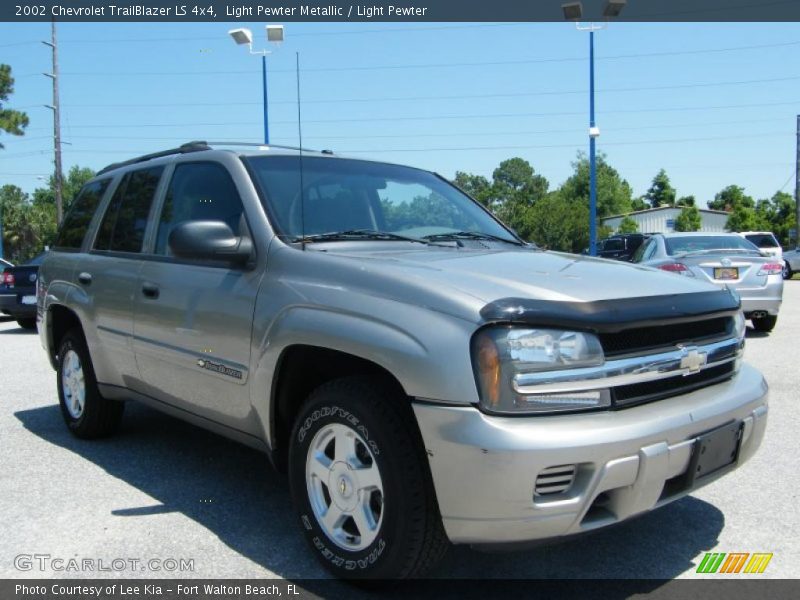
x=555, y=480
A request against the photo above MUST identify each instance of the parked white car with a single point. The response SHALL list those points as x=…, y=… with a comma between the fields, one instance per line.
x=769, y=245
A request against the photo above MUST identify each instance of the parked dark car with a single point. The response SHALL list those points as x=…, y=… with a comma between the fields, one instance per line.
x=620, y=246
x=18, y=292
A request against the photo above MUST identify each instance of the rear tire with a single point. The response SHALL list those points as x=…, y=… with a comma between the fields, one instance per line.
x=361, y=483
x=27, y=323
x=87, y=414
x=787, y=271
x=765, y=324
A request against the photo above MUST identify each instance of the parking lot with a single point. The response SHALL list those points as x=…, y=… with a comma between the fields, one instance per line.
x=162, y=489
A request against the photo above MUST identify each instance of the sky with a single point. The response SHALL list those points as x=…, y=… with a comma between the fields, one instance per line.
x=712, y=103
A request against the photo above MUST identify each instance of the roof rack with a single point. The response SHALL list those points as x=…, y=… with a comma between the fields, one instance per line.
x=262, y=145
x=199, y=146
x=196, y=146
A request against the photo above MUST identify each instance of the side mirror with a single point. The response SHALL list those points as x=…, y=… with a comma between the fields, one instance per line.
x=209, y=240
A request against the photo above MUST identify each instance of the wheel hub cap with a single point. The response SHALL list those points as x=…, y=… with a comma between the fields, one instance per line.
x=73, y=384
x=344, y=486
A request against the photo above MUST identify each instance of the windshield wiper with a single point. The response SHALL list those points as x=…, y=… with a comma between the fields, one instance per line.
x=470, y=235
x=356, y=234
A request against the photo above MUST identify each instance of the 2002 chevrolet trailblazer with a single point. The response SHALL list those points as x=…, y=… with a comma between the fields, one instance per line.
x=423, y=375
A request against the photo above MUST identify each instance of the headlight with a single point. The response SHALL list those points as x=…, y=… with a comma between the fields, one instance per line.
x=500, y=353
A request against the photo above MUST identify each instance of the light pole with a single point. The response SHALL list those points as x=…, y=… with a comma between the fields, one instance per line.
x=573, y=11
x=245, y=37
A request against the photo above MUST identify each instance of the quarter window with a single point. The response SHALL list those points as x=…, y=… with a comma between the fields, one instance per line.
x=125, y=221
x=639, y=255
x=76, y=223
x=199, y=192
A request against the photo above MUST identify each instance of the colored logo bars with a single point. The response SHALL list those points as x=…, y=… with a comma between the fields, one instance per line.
x=734, y=562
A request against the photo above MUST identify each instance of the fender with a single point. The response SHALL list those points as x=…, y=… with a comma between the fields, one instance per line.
x=423, y=360
x=57, y=294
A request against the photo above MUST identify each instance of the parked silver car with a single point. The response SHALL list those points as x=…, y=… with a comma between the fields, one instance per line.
x=727, y=260
x=423, y=375
x=792, y=260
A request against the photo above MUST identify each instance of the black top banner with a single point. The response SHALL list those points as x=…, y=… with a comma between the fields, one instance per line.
x=402, y=10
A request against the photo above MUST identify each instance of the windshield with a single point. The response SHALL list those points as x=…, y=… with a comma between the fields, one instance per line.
x=707, y=243
x=354, y=195
x=763, y=240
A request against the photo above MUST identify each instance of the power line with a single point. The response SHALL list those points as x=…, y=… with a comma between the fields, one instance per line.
x=440, y=117
x=439, y=97
x=331, y=69
x=470, y=148
x=526, y=147
x=428, y=134
x=303, y=34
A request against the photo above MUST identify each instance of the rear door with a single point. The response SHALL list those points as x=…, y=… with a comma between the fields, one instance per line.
x=107, y=277
x=193, y=321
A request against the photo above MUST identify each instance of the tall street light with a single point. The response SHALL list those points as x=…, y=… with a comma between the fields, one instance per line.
x=573, y=11
x=244, y=37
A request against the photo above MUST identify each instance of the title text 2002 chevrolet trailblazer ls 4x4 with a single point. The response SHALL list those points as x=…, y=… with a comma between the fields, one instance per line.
x=423, y=375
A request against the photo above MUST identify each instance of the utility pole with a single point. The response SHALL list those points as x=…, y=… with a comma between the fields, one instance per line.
x=797, y=189
x=56, y=108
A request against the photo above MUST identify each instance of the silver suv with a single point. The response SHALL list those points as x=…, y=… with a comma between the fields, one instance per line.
x=423, y=375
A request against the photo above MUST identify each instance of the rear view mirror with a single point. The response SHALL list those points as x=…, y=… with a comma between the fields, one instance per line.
x=209, y=240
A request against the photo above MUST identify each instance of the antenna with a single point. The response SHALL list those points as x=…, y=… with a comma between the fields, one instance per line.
x=300, y=136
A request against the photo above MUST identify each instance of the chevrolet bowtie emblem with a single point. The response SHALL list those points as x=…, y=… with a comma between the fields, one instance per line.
x=692, y=360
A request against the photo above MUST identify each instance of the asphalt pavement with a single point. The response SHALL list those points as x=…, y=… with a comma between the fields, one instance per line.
x=165, y=499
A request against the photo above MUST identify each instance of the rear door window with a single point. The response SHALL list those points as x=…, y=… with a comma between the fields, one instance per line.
x=77, y=221
x=125, y=221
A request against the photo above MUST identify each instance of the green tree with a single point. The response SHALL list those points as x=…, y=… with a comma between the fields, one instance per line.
x=557, y=222
x=628, y=225
x=11, y=121
x=613, y=192
x=777, y=215
x=27, y=226
x=661, y=192
x=515, y=189
x=688, y=219
x=13, y=206
x=685, y=201
x=639, y=203
x=742, y=218
x=476, y=186
x=731, y=197
x=72, y=183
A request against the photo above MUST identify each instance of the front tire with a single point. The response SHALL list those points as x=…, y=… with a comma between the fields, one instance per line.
x=765, y=324
x=87, y=414
x=361, y=484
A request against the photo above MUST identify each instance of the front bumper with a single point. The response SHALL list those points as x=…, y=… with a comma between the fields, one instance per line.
x=10, y=304
x=627, y=462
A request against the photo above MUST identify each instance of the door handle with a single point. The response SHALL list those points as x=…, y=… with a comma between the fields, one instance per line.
x=150, y=290
x=85, y=278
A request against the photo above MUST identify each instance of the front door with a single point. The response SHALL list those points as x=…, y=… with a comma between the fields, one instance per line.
x=193, y=320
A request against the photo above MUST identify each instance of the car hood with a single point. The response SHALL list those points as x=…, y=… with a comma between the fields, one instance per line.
x=478, y=277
